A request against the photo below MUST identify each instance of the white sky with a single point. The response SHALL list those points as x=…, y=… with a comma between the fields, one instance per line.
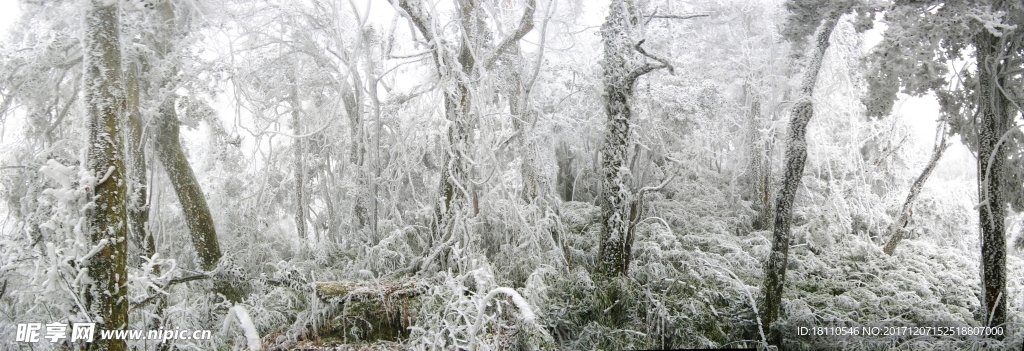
x=9, y=12
x=920, y=112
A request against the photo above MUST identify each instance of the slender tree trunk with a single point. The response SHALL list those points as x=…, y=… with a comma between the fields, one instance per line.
x=105, y=298
x=454, y=175
x=896, y=230
x=993, y=121
x=300, y=164
x=352, y=98
x=760, y=165
x=138, y=209
x=523, y=120
x=796, y=155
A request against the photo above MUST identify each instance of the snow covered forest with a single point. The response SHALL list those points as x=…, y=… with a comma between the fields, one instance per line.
x=514, y=174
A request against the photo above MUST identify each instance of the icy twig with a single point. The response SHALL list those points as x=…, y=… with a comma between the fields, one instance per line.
x=518, y=300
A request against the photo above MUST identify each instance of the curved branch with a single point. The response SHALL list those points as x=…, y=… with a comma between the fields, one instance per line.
x=663, y=61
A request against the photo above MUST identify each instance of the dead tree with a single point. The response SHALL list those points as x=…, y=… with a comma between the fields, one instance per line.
x=897, y=230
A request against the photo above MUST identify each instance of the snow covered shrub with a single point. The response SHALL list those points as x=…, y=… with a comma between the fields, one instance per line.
x=518, y=237
x=856, y=283
x=470, y=311
x=580, y=226
x=43, y=266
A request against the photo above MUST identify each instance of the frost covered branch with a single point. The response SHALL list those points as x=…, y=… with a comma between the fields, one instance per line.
x=649, y=67
x=525, y=26
x=518, y=300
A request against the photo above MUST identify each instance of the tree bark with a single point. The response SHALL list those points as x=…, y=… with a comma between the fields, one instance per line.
x=896, y=230
x=623, y=64
x=300, y=164
x=138, y=209
x=993, y=121
x=105, y=293
x=796, y=155
x=193, y=202
x=760, y=164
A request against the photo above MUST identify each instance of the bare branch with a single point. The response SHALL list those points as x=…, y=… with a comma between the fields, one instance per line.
x=525, y=26
x=680, y=17
x=663, y=61
x=642, y=70
x=174, y=281
x=643, y=191
x=418, y=18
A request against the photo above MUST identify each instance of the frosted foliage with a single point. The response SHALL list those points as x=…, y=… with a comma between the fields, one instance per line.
x=325, y=136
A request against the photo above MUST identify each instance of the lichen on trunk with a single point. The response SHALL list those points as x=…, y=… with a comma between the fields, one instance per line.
x=994, y=121
x=796, y=156
x=623, y=64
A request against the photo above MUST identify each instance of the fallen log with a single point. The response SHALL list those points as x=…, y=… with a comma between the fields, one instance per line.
x=365, y=311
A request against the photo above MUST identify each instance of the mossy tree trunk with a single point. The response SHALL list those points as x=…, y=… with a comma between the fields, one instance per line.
x=796, y=156
x=105, y=294
x=175, y=163
x=993, y=120
x=624, y=63
x=193, y=202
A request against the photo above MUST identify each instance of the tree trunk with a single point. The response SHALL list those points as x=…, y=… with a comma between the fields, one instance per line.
x=352, y=99
x=896, y=230
x=796, y=155
x=760, y=165
x=454, y=176
x=138, y=209
x=623, y=64
x=993, y=121
x=105, y=298
x=190, y=195
x=193, y=203
x=300, y=164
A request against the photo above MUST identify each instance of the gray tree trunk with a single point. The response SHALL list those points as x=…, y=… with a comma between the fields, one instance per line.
x=138, y=209
x=796, y=155
x=896, y=230
x=994, y=120
x=456, y=64
x=193, y=202
x=760, y=165
x=300, y=163
x=105, y=299
x=624, y=63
